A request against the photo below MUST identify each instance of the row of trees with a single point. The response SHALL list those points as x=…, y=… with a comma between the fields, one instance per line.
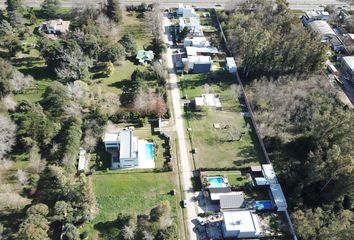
x=270, y=41
x=306, y=129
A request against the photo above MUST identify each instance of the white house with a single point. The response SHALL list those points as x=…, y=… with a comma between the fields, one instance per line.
x=198, y=64
x=193, y=24
x=82, y=160
x=128, y=151
x=58, y=26
x=310, y=16
x=211, y=100
x=240, y=224
x=205, y=51
x=196, y=42
x=231, y=65
x=186, y=11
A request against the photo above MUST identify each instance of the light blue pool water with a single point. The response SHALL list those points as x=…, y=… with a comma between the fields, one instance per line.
x=264, y=204
x=216, y=182
x=149, y=151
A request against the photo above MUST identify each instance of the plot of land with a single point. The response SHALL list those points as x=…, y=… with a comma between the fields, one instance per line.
x=232, y=145
x=127, y=192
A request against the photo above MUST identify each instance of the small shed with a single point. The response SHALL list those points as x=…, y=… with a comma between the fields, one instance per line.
x=145, y=56
x=231, y=65
x=211, y=100
x=82, y=160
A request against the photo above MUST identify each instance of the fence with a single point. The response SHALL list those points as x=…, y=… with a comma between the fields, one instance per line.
x=238, y=79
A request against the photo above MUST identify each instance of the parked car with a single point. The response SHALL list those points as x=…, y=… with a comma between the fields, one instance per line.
x=184, y=203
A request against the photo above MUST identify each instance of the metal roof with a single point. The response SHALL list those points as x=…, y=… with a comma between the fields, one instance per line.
x=220, y=190
x=322, y=27
x=127, y=148
x=233, y=201
x=349, y=61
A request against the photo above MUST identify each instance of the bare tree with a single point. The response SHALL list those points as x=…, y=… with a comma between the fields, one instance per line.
x=36, y=163
x=8, y=103
x=22, y=177
x=154, y=20
x=19, y=81
x=90, y=140
x=106, y=26
x=7, y=135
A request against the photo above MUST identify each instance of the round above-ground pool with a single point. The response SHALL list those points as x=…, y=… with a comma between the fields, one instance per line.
x=216, y=182
x=264, y=205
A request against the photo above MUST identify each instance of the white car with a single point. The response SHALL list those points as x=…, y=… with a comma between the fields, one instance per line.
x=184, y=203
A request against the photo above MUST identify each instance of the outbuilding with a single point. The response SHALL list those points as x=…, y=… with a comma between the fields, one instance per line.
x=231, y=65
x=82, y=160
x=198, y=64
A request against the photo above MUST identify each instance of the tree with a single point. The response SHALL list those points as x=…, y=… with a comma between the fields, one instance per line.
x=33, y=125
x=158, y=47
x=49, y=8
x=71, y=232
x=113, y=10
x=129, y=44
x=9, y=38
x=154, y=18
x=6, y=73
x=19, y=81
x=7, y=135
x=72, y=140
x=13, y=5
x=74, y=65
x=161, y=214
x=55, y=99
x=35, y=226
x=111, y=51
x=109, y=69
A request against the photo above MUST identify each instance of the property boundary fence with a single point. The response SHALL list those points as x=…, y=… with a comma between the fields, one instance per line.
x=239, y=81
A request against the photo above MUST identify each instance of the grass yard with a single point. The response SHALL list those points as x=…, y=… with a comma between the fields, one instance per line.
x=125, y=192
x=135, y=25
x=236, y=178
x=214, y=149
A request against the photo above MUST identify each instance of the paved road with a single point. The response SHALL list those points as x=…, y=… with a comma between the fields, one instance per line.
x=184, y=163
x=294, y=4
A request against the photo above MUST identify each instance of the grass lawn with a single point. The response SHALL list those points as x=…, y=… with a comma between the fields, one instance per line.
x=236, y=178
x=126, y=192
x=136, y=26
x=213, y=150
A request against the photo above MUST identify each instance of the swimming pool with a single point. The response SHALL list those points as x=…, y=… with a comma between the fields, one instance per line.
x=264, y=204
x=149, y=151
x=216, y=182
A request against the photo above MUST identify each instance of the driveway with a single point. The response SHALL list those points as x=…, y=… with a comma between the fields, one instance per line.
x=184, y=167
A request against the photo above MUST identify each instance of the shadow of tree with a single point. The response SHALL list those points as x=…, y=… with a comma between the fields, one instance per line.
x=189, y=115
x=108, y=230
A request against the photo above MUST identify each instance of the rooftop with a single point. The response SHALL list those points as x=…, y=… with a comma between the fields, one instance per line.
x=269, y=173
x=144, y=56
x=321, y=27
x=232, y=201
x=243, y=221
x=200, y=59
x=128, y=144
x=349, y=60
x=278, y=196
x=110, y=137
x=193, y=51
x=314, y=14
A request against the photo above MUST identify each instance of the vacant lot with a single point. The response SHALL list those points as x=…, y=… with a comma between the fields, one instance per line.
x=231, y=145
x=126, y=192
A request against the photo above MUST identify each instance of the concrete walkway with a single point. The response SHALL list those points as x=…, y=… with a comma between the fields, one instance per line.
x=184, y=167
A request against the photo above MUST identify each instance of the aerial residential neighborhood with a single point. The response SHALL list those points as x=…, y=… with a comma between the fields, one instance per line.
x=226, y=119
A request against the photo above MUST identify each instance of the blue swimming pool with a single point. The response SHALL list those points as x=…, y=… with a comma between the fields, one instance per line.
x=216, y=182
x=149, y=151
x=264, y=204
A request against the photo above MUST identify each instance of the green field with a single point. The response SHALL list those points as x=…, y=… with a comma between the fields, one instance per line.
x=125, y=192
x=213, y=151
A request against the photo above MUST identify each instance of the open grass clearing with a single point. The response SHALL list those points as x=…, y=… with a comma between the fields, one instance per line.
x=125, y=192
x=214, y=150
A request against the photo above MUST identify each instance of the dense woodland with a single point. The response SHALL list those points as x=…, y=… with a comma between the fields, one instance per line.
x=48, y=199
x=307, y=130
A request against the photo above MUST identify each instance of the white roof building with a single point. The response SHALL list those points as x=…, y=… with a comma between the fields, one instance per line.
x=194, y=51
x=241, y=224
x=186, y=11
x=82, y=160
x=128, y=151
x=211, y=100
x=348, y=65
x=275, y=188
x=310, y=16
x=323, y=28
x=196, y=42
x=231, y=65
x=193, y=24
x=198, y=64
